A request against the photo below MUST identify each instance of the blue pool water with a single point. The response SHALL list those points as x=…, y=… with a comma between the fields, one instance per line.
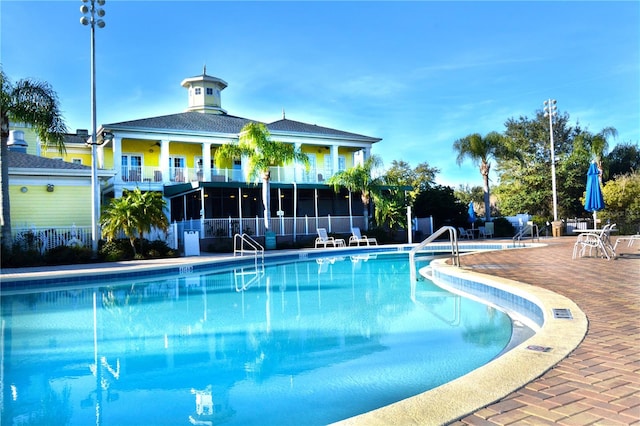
x=307, y=342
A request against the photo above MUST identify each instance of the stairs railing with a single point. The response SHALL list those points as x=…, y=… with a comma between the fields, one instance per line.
x=530, y=230
x=455, y=252
x=243, y=243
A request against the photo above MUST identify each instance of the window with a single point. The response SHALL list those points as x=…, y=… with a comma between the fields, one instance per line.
x=76, y=161
x=209, y=91
x=342, y=163
x=177, y=169
x=131, y=168
x=198, y=91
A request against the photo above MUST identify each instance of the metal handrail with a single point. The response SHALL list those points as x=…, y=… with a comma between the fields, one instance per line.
x=255, y=247
x=455, y=252
x=531, y=229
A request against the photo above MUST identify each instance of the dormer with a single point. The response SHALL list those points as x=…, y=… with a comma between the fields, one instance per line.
x=204, y=93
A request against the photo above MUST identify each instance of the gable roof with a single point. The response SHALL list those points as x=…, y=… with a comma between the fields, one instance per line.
x=185, y=122
x=226, y=124
x=286, y=125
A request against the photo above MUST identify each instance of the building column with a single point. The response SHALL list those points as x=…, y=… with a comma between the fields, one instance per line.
x=164, y=160
x=297, y=169
x=334, y=160
x=206, y=161
x=117, y=159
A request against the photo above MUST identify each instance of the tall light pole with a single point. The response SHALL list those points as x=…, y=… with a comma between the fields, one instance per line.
x=91, y=16
x=551, y=110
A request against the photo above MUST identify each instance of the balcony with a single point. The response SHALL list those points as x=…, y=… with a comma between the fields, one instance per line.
x=153, y=174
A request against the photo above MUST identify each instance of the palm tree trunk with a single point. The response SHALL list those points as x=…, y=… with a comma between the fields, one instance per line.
x=484, y=169
x=5, y=219
x=266, y=199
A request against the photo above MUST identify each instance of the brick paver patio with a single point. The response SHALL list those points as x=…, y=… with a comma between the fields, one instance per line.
x=599, y=383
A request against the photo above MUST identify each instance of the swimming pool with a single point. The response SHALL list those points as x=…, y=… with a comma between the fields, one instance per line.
x=307, y=342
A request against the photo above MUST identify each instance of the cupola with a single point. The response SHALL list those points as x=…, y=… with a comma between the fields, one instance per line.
x=16, y=141
x=204, y=93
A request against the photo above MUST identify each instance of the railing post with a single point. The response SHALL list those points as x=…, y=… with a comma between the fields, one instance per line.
x=329, y=222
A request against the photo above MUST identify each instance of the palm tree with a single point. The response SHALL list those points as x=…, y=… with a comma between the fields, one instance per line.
x=599, y=146
x=360, y=178
x=262, y=153
x=136, y=212
x=481, y=150
x=34, y=103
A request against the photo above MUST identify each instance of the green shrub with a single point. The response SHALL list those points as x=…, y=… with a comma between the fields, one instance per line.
x=19, y=256
x=65, y=255
x=503, y=228
x=115, y=250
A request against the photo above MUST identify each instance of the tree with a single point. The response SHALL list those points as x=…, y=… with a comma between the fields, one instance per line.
x=360, y=178
x=481, y=150
x=136, y=212
x=419, y=179
x=622, y=201
x=33, y=103
x=402, y=185
x=262, y=153
x=624, y=158
x=440, y=202
x=597, y=146
x=525, y=183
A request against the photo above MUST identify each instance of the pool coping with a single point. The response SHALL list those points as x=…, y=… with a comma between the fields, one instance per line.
x=553, y=342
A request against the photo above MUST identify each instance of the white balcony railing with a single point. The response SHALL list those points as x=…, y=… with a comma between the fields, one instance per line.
x=154, y=174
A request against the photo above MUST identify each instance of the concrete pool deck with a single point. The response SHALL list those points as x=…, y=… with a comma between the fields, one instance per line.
x=597, y=383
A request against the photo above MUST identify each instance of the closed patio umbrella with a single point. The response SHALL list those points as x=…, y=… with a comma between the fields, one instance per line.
x=472, y=214
x=593, y=200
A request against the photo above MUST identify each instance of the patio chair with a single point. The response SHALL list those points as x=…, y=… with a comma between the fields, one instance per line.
x=599, y=240
x=357, y=238
x=324, y=239
x=488, y=229
x=465, y=233
x=481, y=232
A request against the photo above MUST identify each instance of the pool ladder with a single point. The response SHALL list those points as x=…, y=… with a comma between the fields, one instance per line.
x=455, y=252
x=530, y=230
x=244, y=244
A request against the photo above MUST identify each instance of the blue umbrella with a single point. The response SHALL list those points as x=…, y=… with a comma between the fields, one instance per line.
x=593, y=199
x=472, y=214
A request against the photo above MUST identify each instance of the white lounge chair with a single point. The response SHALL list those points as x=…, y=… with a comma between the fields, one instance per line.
x=324, y=239
x=630, y=238
x=465, y=233
x=357, y=238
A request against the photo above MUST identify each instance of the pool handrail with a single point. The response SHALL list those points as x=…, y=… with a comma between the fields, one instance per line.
x=254, y=247
x=528, y=229
x=455, y=252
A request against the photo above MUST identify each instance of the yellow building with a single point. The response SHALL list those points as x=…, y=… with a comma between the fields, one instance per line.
x=174, y=154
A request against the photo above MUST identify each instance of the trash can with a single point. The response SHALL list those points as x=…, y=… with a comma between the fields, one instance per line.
x=556, y=227
x=270, y=240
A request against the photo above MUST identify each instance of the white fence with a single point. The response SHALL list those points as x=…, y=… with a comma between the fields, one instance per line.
x=282, y=226
x=45, y=238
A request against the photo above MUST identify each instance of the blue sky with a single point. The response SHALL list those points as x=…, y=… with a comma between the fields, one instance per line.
x=419, y=75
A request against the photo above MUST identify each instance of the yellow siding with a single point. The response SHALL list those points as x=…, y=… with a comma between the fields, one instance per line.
x=108, y=158
x=65, y=206
x=188, y=151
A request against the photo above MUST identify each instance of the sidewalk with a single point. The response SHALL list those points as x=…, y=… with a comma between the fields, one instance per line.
x=599, y=383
